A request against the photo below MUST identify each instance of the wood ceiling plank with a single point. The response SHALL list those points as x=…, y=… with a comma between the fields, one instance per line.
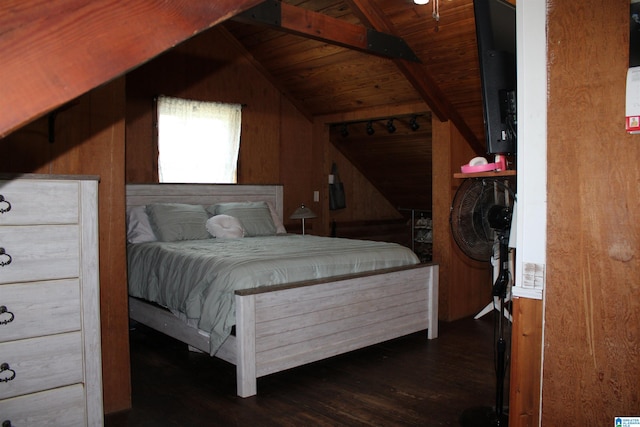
x=314, y=71
x=52, y=52
x=291, y=51
x=423, y=81
x=334, y=104
x=251, y=35
x=268, y=75
x=322, y=76
x=380, y=112
x=343, y=67
x=338, y=82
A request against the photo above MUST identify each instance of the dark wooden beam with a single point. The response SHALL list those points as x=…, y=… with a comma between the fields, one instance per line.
x=307, y=23
x=370, y=14
x=53, y=52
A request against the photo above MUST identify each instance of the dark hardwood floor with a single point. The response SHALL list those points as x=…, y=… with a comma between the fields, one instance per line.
x=410, y=381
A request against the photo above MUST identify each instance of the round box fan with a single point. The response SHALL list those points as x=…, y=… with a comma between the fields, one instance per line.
x=481, y=208
x=480, y=220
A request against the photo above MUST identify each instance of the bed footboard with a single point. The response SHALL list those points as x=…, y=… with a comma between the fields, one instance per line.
x=282, y=327
x=305, y=322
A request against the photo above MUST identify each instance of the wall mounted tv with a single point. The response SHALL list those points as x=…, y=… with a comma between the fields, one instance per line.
x=496, y=35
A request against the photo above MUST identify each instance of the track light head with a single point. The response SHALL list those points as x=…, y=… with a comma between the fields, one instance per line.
x=414, y=123
x=390, y=127
x=344, y=131
x=370, y=129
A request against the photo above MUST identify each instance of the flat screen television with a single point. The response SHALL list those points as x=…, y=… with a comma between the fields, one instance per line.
x=496, y=35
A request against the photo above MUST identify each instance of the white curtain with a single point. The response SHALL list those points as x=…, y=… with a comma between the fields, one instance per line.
x=198, y=142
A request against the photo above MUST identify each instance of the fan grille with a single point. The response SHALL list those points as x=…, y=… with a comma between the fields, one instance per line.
x=469, y=216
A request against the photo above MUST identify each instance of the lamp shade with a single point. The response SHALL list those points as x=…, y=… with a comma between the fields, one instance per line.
x=302, y=212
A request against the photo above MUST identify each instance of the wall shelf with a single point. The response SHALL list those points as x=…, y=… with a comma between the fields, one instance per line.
x=490, y=174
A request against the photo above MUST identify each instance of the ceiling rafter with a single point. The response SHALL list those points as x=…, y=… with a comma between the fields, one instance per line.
x=370, y=14
x=73, y=46
x=306, y=23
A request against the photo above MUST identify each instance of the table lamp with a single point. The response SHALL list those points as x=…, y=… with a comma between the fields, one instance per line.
x=303, y=213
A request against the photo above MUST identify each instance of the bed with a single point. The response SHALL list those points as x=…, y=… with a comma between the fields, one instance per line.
x=273, y=319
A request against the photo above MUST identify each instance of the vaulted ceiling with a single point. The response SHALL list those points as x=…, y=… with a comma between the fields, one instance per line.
x=354, y=57
x=331, y=58
x=313, y=54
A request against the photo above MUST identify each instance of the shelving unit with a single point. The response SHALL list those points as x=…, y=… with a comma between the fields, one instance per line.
x=421, y=233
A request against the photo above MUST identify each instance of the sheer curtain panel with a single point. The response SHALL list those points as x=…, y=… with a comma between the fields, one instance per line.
x=198, y=142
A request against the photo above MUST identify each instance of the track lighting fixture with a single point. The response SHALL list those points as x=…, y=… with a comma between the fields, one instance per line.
x=406, y=122
x=413, y=123
x=370, y=130
x=390, y=127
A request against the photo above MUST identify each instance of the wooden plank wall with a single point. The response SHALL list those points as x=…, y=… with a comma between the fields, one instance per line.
x=195, y=70
x=526, y=362
x=592, y=305
x=465, y=285
x=206, y=68
x=278, y=143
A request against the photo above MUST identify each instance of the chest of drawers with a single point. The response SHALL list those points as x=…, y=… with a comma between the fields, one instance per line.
x=50, y=360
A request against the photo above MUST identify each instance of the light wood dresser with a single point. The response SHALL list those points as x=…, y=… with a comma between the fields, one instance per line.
x=50, y=360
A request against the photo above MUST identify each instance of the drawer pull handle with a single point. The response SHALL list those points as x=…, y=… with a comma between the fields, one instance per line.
x=10, y=373
x=5, y=258
x=5, y=206
x=5, y=315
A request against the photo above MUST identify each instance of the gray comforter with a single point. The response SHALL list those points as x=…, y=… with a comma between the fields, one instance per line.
x=198, y=277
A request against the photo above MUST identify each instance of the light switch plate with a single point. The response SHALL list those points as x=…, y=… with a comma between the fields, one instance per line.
x=533, y=275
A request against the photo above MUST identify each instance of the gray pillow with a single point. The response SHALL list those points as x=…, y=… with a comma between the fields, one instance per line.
x=138, y=226
x=254, y=216
x=178, y=221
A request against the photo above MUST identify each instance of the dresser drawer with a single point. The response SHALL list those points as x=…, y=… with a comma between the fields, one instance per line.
x=39, y=252
x=59, y=407
x=38, y=202
x=38, y=364
x=35, y=309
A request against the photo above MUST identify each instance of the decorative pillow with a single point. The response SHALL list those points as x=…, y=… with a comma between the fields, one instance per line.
x=276, y=220
x=254, y=216
x=225, y=226
x=178, y=221
x=138, y=226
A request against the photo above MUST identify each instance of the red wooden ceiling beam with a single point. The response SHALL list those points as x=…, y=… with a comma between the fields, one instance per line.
x=54, y=51
x=318, y=26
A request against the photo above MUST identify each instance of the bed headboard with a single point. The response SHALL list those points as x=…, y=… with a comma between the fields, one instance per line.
x=204, y=194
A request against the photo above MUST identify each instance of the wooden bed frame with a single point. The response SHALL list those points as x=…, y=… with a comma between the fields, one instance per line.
x=281, y=327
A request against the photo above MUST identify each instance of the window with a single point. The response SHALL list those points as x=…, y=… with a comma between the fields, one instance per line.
x=198, y=142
